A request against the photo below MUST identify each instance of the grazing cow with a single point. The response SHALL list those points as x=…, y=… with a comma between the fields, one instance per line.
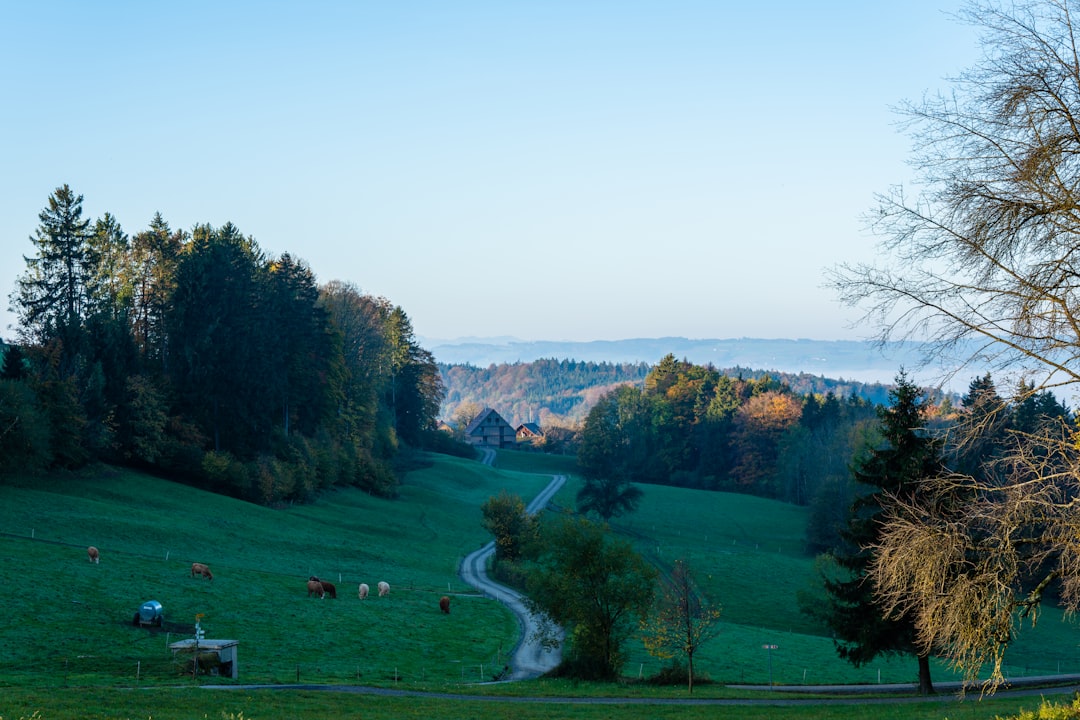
x=201, y=569
x=444, y=604
x=329, y=589
x=93, y=554
x=384, y=588
x=363, y=590
x=314, y=587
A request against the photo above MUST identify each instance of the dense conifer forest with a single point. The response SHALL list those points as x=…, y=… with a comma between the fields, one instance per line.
x=198, y=356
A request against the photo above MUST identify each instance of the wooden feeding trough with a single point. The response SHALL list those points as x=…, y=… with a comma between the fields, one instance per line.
x=208, y=657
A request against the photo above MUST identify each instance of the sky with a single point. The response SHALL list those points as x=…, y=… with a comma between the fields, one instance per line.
x=549, y=170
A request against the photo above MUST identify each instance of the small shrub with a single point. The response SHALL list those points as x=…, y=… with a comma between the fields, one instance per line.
x=1049, y=711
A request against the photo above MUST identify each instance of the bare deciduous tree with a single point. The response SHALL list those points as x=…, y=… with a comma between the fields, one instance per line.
x=983, y=261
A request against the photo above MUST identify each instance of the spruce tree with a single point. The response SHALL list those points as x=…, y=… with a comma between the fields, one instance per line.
x=51, y=295
x=893, y=470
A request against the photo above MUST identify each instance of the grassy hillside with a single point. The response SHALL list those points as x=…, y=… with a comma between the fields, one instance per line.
x=68, y=623
x=71, y=620
x=747, y=553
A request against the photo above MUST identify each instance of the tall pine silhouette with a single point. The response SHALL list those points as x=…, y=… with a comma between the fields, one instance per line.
x=893, y=470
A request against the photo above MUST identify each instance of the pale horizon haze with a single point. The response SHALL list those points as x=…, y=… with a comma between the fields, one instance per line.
x=574, y=171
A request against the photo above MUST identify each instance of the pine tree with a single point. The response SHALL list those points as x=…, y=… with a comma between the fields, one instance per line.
x=893, y=470
x=50, y=297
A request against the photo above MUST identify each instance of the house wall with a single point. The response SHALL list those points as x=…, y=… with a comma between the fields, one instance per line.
x=493, y=431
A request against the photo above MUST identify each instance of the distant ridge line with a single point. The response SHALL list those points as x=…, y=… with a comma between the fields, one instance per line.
x=860, y=360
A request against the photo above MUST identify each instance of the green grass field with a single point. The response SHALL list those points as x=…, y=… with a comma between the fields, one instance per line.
x=68, y=647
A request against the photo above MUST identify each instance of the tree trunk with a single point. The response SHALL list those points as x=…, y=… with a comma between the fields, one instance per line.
x=926, y=685
x=690, y=672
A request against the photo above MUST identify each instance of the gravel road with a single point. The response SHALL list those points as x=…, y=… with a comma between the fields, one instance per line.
x=530, y=659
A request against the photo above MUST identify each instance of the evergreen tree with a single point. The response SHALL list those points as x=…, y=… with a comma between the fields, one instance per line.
x=109, y=282
x=301, y=352
x=612, y=446
x=893, y=470
x=217, y=366
x=13, y=363
x=155, y=254
x=51, y=296
x=416, y=390
x=982, y=429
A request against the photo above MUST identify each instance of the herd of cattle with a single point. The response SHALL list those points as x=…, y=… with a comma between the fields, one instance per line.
x=315, y=586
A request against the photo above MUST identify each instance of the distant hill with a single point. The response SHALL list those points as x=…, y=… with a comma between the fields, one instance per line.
x=562, y=392
x=542, y=381
x=840, y=359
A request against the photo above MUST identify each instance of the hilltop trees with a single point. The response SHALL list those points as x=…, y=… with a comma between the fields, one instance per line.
x=983, y=261
x=692, y=426
x=199, y=356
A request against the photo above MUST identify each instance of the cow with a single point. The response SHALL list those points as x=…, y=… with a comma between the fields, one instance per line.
x=314, y=587
x=444, y=604
x=384, y=588
x=201, y=569
x=329, y=589
x=363, y=591
x=93, y=554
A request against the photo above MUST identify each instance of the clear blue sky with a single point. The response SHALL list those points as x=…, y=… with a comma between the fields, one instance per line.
x=548, y=170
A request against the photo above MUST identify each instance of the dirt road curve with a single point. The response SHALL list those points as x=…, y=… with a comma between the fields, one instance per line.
x=530, y=659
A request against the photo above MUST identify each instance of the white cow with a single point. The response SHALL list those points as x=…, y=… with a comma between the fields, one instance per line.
x=363, y=589
x=384, y=588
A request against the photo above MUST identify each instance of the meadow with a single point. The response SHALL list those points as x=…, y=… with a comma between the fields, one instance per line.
x=69, y=648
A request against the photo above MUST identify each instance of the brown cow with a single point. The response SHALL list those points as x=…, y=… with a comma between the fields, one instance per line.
x=444, y=604
x=201, y=569
x=314, y=587
x=329, y=589
x=93, y=554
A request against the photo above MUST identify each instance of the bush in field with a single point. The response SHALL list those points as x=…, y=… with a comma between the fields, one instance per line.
x=1049, y=711
x=594, y=585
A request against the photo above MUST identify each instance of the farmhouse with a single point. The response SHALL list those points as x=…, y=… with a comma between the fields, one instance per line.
x=488, y=429
x=529, y=432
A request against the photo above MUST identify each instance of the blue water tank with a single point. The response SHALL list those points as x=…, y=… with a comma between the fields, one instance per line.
x=150, y=613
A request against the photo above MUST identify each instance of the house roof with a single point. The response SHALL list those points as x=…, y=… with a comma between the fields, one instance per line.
x=529, y=427
x=479, y=419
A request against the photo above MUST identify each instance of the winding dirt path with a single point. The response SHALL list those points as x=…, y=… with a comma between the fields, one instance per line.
x=530, y=658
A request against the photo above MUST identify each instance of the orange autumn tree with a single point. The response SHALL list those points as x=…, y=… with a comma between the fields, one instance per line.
x=759, y=426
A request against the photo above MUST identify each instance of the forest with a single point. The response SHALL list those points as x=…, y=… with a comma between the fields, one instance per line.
x=197, y=356
x=693, y=426
x=560, y=392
